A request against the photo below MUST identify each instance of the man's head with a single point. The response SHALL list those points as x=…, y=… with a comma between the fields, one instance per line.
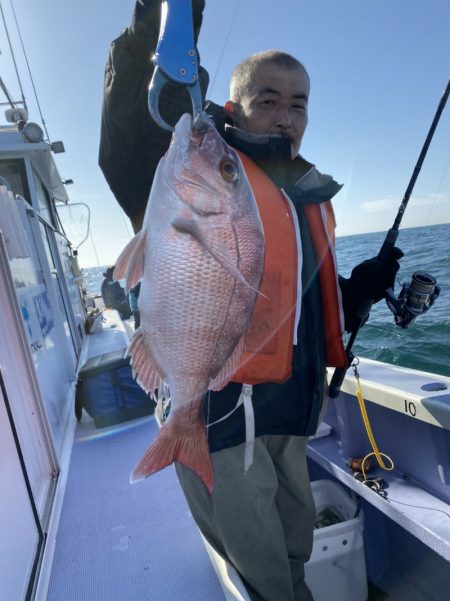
x=269, y=95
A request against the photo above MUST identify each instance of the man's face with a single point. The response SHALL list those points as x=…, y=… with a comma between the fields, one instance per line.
x=275, y=103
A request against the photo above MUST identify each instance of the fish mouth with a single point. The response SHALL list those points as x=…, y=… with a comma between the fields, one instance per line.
x=189, y=131
x=201, y=123
x=183, y=127
x=200, y=126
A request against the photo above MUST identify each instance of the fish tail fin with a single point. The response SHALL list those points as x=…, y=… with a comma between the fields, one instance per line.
x=192, y=451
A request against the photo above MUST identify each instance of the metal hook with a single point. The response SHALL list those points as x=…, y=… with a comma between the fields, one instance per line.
x=355, y=364
x=176, y=58
x=158, y=81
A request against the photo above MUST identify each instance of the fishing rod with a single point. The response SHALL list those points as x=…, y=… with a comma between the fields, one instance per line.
x=415, y=298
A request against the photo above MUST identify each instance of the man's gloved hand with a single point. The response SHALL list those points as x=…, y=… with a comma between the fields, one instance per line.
x=150, y=10
x=366, y=286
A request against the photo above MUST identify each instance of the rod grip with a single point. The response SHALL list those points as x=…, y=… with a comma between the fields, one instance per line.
x=388, y=244
x=336, y=382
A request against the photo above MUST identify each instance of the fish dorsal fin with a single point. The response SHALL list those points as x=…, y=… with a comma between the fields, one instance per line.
x=143, y=368
x=130, y=264
x=212, y=245
x=231, y=365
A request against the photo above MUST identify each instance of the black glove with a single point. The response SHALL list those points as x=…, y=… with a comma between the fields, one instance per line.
x=366, y=286
x=152, y=8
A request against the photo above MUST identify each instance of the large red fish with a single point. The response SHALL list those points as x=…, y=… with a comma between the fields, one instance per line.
x=200, y=258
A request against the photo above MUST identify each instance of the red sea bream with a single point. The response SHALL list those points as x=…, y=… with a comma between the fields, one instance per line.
x=199, y=257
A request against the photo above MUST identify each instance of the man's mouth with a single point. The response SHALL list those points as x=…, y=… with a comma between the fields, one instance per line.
x=287, y=136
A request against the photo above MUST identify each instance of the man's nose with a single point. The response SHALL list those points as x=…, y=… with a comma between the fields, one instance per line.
x=284, y=120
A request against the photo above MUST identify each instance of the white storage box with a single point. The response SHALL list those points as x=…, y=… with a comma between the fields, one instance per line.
x=337, y=568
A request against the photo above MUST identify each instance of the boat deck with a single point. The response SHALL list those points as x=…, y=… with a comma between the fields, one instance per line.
x=115, y=541
x=118, y=542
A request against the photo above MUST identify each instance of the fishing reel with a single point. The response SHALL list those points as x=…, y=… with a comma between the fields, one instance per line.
x=414, y=299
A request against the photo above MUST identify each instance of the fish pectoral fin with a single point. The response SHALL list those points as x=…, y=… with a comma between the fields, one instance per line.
x=192, y=451
x=212, y=245
x=144, y=371
x=130, y=264
x=230, y=367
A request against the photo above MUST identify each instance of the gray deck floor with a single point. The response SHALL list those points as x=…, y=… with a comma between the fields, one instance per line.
x=118, y=542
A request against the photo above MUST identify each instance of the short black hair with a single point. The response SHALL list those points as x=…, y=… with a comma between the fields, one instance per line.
x=243, y=72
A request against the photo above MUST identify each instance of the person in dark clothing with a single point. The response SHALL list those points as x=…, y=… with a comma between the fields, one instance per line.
x=133, y=296
x=262, y=521
x=114, y=295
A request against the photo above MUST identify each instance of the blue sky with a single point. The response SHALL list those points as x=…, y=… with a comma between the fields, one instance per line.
x=378, y=69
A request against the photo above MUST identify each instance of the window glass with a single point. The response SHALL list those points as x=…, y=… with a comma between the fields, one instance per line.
x=12, y=175
x=44, y=201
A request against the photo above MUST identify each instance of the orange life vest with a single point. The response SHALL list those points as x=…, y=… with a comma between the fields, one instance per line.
x=269, y=344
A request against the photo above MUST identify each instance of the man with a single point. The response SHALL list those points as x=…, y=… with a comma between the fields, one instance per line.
x=114, y=295
x=262, y=520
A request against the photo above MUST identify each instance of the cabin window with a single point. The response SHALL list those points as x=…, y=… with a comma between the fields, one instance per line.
x=45, y=204
x=13, y=176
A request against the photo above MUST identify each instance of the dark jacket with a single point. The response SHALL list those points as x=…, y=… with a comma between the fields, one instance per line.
x=131, y=146
x=114, y=297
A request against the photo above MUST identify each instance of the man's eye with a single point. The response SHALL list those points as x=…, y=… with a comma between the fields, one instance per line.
x=299, y=107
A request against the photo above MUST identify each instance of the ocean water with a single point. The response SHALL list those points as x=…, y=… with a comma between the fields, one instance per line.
x=425, y=344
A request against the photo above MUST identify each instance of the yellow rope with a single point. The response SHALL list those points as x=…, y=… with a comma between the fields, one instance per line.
x=382, y=464
x=379, y=456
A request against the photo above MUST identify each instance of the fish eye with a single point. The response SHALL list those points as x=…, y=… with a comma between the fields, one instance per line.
x=228, y=170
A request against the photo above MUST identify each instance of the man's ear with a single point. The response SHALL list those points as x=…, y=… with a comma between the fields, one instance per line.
x=230, y=108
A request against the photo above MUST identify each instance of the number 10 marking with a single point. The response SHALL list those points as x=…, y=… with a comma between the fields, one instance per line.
x=410, y=408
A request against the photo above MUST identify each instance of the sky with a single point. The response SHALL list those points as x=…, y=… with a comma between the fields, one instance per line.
x=378, y=69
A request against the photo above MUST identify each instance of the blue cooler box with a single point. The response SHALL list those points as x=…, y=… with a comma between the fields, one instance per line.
x=108, y=391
